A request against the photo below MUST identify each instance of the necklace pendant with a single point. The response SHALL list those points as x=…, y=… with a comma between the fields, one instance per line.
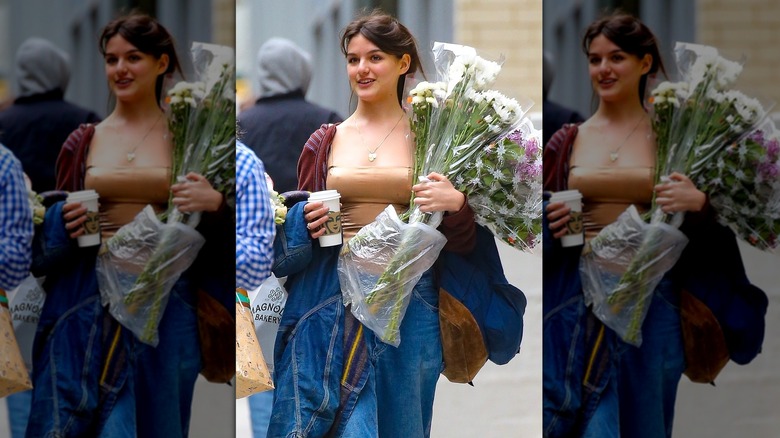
x=371, y=156
x=130, y=156
x=613, y=156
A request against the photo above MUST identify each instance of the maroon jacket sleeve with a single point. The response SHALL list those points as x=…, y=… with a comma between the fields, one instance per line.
x=70, y=166
x=312, y=165
x=556, y=158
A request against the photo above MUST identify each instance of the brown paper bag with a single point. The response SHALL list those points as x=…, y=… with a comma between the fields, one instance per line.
x=13, y=373
x=252, y=374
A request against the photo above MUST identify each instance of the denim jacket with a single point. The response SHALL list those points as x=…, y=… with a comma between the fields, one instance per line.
x=316, y=388
x=79, y=354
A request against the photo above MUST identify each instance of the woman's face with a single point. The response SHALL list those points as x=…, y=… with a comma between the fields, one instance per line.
x=373, y=74
x=615, y=74
x=131, y=73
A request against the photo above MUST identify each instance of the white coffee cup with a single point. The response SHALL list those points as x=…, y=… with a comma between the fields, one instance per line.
x=330, y=198
x=89, y=198
x=574, y=231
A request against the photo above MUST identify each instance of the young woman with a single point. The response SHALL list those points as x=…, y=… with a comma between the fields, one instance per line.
x=596, y=385
x=332, y=375
x=92, y=377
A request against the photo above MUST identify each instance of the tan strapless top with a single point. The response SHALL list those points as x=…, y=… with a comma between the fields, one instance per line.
x=609, y=191
x=125, y=191
x=366, y=191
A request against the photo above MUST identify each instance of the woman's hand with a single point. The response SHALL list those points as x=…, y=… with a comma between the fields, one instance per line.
x=558, y=215
x=74, y=214
x=195, y=194
x=679, y=194
x=438, y=194
x=316, y=215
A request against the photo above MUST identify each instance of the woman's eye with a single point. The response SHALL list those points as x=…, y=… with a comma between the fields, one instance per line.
x=351, y=60
x=376, y=58
x=594, y=60
x=617, y=58
x=110, y=61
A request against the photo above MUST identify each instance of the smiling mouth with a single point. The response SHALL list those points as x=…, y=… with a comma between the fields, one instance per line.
x=365, y=81
x=607, y=81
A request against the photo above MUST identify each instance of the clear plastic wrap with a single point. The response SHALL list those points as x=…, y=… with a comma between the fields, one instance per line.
x=621, y=267
x=138, y=266
x=379, y=267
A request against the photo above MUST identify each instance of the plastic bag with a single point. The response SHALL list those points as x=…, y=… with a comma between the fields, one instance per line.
x=138, y=267
x=252, y=375
x=267, y=304
x=621, y=267
x=14, y=376
x=379, y=267
x=26, y=303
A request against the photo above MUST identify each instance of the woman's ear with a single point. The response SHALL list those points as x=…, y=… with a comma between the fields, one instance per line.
x=406, y=61
x=162, y=63
x=647, y=63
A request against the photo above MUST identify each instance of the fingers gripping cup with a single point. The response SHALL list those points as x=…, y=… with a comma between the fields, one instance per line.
x=330, y=198
x=89, y=198
x=574, y=232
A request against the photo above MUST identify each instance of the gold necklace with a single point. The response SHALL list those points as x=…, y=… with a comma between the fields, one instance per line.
x=131, y=154
x=614, y=154
x=372, y=154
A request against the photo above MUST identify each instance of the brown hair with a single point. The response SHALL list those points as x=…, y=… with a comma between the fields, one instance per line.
x=389, y=35
x=148, y=36
x=632, y=36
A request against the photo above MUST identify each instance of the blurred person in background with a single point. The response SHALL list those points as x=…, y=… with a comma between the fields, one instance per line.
x=554, y=115
x=277, y=126
x=36, y=125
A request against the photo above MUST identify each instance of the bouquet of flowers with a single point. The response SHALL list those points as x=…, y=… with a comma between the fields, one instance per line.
x=139, y=265
x=695, y=121
x=744, y=188
x=480, y=140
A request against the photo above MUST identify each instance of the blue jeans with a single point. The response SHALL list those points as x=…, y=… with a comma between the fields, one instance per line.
x=164, y=376
x=18, y=412
x=398, y=396
x=260, y=405
x=649, y=375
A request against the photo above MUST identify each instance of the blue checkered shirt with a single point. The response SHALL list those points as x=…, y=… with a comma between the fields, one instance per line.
x=255, y=227
x=16, y=226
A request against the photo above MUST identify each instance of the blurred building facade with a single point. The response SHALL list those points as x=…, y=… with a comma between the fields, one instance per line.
x=564, y=25
x=745, y=29
x=74, y=26
x=508, y=28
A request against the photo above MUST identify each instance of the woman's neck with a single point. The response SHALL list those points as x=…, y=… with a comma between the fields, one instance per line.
x=135, y=111
x=376, y=112
x=619, y=111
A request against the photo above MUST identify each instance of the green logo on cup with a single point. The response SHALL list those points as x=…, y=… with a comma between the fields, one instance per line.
x=333, y=226
x=92, y=224
x=575, y=223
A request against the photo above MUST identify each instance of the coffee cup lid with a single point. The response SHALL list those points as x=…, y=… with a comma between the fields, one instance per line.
x=566, y=195
x=324, y=195
x=82, y=195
